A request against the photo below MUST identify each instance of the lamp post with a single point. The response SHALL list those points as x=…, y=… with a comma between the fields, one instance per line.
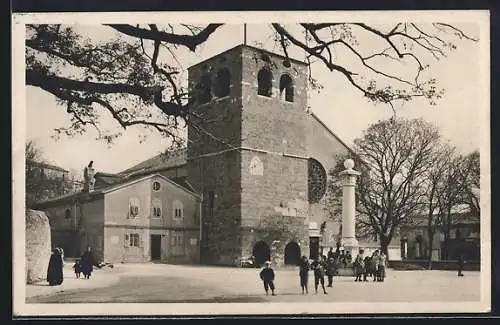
x=349, y=176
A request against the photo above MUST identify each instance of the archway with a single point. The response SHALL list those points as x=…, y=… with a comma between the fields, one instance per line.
x=261, y=252
x=292, y=253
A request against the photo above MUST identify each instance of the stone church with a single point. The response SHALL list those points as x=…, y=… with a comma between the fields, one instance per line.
x=255, y=171
x=259, y=158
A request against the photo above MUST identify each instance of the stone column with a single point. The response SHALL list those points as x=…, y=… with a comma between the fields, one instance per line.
x=349, y=176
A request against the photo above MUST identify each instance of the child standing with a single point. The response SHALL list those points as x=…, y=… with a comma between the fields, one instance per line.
x=359, y=266
x=304, y=274
x=78, y=268
x=382, y=263
x=319, y=274
x=267, y=276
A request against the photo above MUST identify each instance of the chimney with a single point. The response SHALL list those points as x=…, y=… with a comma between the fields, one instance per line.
x=88, y=176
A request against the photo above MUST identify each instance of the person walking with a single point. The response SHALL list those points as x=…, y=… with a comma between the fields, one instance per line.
x=55, y=274
x=87, y=262
x=319, y=274
x=375, y=268
x=267, y=276
x=461, y=263
x=304, y=267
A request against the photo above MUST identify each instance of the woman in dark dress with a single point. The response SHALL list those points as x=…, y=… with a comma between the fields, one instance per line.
x=55, y=269
x=87, y=262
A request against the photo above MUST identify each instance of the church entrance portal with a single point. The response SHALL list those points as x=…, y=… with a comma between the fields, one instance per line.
x=313, y=248
x=261, y=252
x=292, y=253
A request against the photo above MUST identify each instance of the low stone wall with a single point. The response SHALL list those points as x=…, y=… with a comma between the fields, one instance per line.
x=436, y=265
x=38, y=246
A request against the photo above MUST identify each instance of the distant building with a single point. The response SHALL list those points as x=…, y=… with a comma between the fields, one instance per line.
x=42, y=171
x=464, y=238
x=46, y=181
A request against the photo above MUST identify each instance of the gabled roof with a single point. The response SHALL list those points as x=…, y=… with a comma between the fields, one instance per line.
x=99, y=192
x=47, y=166
x=128, y=182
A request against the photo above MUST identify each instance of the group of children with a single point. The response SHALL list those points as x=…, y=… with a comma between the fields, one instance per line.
x=374, y=265
x=364, y=266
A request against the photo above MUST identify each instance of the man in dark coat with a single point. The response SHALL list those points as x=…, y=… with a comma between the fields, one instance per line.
x=461, y=263
x=55, y=269
x=267, y=276
x=87, y=262
x=304, y=268
x=319, y=267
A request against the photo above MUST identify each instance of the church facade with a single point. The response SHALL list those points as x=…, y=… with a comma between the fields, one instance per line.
x=256, y=158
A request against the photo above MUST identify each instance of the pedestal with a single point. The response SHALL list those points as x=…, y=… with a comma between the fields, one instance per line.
x=349, y=241
x=351, y=245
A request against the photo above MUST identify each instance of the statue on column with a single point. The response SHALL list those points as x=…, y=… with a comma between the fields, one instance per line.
x=88, y=175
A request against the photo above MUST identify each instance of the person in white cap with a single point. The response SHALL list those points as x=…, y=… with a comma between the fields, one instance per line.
x=267, y=276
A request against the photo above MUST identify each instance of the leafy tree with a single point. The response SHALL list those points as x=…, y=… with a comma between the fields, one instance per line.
x=39, y=186
x=134, y=75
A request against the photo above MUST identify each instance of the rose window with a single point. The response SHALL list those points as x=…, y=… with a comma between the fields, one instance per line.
x=317, y=181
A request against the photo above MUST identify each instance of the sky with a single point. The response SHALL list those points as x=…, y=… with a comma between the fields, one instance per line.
x=341, y=107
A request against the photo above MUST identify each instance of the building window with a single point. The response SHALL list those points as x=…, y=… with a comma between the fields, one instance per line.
x=317, y=181
x=265, y=82
x=204, y=89
x=256, y=166
x=286, y=88
x=134, y=240
x=178, y=243
x=156, y=208
x=133, y=210
x=156, y=186
x=67, y=214
x=178, y=210
x=223, y=83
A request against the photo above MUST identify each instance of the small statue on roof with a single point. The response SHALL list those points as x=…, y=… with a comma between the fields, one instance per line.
x=88, y=175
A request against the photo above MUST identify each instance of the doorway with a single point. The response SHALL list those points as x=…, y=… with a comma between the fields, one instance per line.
x=313, y=248
x=292, y=253
x=155, y=247
x=261, y=252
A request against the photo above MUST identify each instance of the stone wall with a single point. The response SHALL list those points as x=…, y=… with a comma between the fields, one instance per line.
x=38, y=246
x=218, y=178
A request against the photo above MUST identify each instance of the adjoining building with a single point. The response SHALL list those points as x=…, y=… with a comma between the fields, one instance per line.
x=135, y=219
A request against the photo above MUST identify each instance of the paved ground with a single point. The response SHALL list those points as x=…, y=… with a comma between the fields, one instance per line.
x=152, y=283
x=100, y=278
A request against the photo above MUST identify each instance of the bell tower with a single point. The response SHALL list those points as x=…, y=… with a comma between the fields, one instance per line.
x=247, y=154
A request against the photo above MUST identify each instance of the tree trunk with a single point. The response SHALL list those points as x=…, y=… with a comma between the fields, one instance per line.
x=447, y=232
x=384, y=244
x=431, y=247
